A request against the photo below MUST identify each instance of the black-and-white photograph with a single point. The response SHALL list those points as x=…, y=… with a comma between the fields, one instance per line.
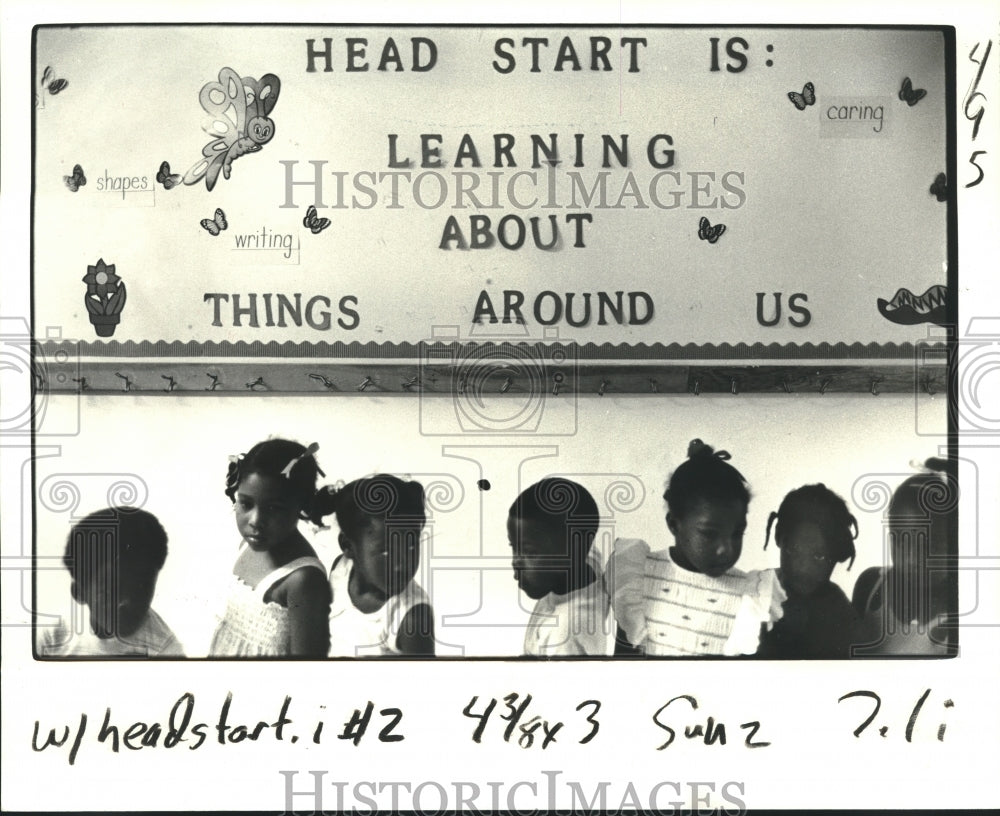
x=537, y=393
x=665, y=525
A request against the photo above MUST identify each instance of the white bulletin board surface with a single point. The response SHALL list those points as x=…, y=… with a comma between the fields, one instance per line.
x=780, y=222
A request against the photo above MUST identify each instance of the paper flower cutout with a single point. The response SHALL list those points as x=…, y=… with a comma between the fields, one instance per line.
x=105, y=297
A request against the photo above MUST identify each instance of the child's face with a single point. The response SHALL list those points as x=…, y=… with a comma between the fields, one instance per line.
x=710, y=535
x=541, y=564
x=386, y=558
x=266, y=515
x=806, y=563
x=118, y=599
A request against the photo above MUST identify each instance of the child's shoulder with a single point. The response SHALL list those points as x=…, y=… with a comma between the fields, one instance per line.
x=52, y=640
x=304, y=578
x=160, y=638
x=865, y=587
x=630, y=544
x=413, y=595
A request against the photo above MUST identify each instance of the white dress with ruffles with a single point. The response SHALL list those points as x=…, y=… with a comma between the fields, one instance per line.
x=669, y=611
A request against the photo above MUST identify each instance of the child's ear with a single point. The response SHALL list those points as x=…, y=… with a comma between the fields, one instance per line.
x=345, y=544
x=75, y=592
x=672, y=523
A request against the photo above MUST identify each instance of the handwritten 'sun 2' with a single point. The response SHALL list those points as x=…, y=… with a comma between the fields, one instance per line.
x=238, y=119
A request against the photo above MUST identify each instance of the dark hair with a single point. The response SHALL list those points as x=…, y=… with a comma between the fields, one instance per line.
x=706, y=475
x=564, y=507
x=131, y=537
x=382, y=496
x=293, y=463
x=819, y=504
x=927, y=498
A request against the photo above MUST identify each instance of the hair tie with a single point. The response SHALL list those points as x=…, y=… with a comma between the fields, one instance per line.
x=698, y=448
x=935, y=464
x=695, y=448
x=308, y=452
x=233, y=473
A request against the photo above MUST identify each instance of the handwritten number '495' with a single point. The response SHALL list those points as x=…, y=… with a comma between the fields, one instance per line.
x=976, y=117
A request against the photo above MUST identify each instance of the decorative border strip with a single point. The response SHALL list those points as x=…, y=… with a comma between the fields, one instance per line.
x=479, y=377
x=579, y=351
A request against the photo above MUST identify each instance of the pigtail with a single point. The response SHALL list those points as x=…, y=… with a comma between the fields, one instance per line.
x=706, y=474
x=308, y=453
x=704, y=455
x=233, y=476
x=282, y=459
x=697, y=449
x=854, y=537
x=937, y=464
x=325, y=502
x=770, y=521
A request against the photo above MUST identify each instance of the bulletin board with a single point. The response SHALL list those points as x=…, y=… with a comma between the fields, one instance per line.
x=476, y=254
x=537, y=232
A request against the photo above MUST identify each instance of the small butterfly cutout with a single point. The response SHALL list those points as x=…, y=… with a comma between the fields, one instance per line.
x=909, y=94
x=804, y=99
x=317, y=225
x=166, y=178
x=709, y=233
x=940, y=187
x=50, y=81
x=77, y=180
x=216, y=225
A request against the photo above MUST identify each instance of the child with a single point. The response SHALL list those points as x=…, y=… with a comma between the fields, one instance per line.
x=902, y=607
x=377, y=606
x=690, y=600
x=279, y=600
x=815, y=532
x=551, y=527
x=114, y=557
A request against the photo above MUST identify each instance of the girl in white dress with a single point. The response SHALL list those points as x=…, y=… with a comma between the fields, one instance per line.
x=689, y=599
x=279, y=600
x=377, y=606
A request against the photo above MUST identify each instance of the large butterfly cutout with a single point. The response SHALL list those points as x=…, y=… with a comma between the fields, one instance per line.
x=238, y=111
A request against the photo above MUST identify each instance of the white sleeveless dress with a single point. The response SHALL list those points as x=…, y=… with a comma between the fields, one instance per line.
x=252, y=627
x=358, y=634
